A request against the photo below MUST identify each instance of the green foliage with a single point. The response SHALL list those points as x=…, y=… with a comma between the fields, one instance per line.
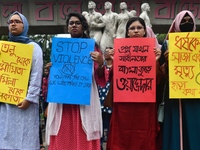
x=161, y=38
x=4, y=37
x=45, y=41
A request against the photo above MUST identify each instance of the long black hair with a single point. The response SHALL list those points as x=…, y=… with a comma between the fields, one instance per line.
x=133, y=19
x=82, y=20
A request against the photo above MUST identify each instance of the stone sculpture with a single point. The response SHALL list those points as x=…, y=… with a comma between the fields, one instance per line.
x=95, y=22
x=110, y=20
x=144, y=15
x=123, y=17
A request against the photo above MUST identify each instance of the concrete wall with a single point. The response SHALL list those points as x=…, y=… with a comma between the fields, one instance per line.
x=48, y=16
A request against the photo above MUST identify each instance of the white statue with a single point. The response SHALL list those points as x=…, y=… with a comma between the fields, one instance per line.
x=110, y=20
x=95, y=22
x=134, y=13
x=144, y=15
x=85, y=13
x=123, y=18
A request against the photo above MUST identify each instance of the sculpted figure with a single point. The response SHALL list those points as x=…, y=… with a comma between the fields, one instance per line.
x=85, y=14
x=134, y=13
x=95, y=22
x=123, y=18
x=144, y=15
x=110, y=20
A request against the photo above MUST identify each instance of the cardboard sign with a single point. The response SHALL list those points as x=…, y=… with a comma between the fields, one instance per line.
x=134, y=70
x=71, y=72
x=15, y=64
x=184, y=65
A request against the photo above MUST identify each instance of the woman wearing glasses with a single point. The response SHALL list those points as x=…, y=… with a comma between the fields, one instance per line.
x=77, y=127
x=19, y=124
x=134, y=126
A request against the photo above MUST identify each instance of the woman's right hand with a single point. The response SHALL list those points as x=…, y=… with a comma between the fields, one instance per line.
x=96, y=56
x=24, y=104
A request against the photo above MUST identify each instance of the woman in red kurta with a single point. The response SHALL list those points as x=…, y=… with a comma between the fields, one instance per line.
x=134, y=126
x=78, y=127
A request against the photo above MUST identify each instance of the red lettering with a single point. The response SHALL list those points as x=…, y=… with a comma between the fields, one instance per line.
x=9, y=8
x=67, y=7
x=47, y=8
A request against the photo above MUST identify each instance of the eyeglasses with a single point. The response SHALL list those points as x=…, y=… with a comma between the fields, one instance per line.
x=137, y=27
x=77, y=23
x=14, y=21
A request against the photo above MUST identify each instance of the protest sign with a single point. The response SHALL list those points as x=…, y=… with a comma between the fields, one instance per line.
x=71, y=72
x=134, y=70
x=15, y=64
x=184, y=65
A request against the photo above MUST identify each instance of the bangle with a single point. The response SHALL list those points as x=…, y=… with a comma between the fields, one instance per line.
x=101, y=66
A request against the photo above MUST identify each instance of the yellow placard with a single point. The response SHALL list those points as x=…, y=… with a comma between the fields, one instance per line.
x=184, y=65
x=15, y=64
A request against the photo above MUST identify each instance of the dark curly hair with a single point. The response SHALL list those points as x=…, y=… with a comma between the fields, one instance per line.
x=82, y=20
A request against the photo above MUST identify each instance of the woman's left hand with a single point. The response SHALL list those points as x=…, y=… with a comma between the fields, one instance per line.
x=96, y=56
x=158, y=53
